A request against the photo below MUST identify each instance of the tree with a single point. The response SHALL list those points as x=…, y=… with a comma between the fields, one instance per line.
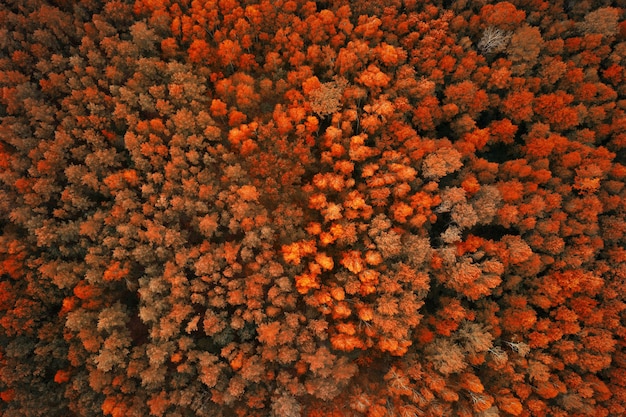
x=503, y=15
x=555, y=111
x=442, y=162
x=494, y=40
x=199, y=51
x=518, y=106
x=325, y=98
x=603, y=21
x=286, y=405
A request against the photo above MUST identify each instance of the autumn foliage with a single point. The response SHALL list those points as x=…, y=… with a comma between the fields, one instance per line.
x=312, y=208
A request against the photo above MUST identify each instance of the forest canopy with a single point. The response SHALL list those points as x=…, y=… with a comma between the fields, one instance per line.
x=312, y=208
